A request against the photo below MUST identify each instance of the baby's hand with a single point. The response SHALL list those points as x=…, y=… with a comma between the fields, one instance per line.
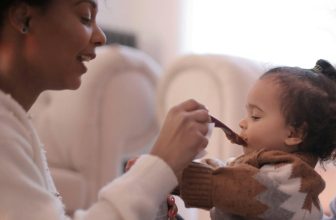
x=172, y=208
x=130, y=163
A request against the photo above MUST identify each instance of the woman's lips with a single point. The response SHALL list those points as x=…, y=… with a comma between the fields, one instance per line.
x=83, y=58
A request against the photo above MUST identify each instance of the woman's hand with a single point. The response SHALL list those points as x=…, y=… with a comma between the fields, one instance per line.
x=182, y=135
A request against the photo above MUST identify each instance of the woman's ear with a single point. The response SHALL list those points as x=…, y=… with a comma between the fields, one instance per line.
x=295, y=136
x=19, y=16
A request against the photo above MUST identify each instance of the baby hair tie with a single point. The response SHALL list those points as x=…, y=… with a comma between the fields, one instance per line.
x=325, y=68
x=317, y=68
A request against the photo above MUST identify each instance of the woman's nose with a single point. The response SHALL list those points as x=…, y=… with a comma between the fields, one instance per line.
x=98, y=36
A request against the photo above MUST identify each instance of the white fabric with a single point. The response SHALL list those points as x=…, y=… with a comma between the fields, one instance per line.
x=28, y=192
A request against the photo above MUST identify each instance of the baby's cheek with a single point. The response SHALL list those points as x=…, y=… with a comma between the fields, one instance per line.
x=256, y=142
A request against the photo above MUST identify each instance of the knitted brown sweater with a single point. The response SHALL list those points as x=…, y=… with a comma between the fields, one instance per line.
x=262, y=184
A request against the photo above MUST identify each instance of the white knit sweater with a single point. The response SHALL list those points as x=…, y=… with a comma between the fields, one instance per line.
x=27, y=190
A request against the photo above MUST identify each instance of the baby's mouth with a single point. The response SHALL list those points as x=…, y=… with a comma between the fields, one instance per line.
x=246, y=142
x=244, y=139
x=230, y=134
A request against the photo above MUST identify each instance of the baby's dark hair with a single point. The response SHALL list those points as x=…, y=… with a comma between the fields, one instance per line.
x=6, y=4
x=308, y=101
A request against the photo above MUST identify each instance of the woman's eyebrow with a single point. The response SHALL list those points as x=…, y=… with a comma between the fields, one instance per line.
x=93, y=3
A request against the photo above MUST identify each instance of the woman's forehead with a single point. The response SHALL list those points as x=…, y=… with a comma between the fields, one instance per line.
x=93, y=3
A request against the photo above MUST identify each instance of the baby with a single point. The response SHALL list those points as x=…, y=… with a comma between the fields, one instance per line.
x=290, y=125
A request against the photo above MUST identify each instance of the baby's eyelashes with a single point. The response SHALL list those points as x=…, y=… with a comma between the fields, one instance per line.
x=255, y=118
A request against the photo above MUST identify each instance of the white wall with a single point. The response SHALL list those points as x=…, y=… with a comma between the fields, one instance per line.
x=156, y=23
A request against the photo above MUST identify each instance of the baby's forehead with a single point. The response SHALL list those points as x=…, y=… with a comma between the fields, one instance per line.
x=268, y=83
x=275, y=77
x=265, y=91
x=276, y=81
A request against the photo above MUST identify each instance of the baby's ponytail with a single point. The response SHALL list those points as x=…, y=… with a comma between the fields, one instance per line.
x=325, y=68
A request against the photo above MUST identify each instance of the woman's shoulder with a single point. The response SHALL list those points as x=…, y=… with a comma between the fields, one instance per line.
x=15, y=128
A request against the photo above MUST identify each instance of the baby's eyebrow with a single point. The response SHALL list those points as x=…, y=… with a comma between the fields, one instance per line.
x=253, y=106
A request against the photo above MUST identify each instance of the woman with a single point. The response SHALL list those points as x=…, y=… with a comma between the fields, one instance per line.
x=43, y=45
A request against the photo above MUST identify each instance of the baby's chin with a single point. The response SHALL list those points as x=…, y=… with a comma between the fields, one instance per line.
x=249, y=148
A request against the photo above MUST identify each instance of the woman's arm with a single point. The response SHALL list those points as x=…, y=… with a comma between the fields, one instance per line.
x=27, y=191
x=135, y=195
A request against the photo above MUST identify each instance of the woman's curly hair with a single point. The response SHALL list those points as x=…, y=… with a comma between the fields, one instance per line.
x=308, y=101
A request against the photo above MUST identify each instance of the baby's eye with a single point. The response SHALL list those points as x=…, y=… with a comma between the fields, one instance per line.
x=255, y=118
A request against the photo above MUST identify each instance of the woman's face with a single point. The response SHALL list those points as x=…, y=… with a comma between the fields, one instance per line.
x=60, y=39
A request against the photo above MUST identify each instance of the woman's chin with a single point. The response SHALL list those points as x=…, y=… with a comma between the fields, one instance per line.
x=74, y=84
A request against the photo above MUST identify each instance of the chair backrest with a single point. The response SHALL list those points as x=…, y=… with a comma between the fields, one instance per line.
x=110, y=118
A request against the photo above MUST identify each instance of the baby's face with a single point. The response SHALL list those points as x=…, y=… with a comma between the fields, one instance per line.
x=264, y=124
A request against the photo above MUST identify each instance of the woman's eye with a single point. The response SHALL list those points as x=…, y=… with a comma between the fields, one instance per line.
x=86, y=12
x=86, y=19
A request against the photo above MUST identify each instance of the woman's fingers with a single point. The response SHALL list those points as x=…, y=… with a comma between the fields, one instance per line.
x=182, y=135
x=199, y=128
x=190, y=105
x=201, y=115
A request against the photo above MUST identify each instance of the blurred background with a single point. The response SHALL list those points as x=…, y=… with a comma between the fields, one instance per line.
x=291, y=32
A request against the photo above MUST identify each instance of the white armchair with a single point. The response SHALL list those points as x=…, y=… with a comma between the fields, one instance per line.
x=88, y=133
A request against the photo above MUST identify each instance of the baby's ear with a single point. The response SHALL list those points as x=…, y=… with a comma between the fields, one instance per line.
x=295, y=136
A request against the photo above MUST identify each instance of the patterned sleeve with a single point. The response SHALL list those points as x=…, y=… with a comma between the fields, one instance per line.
x=267, y=185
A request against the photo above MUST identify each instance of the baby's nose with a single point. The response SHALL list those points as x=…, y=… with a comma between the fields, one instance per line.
x=242, y=124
